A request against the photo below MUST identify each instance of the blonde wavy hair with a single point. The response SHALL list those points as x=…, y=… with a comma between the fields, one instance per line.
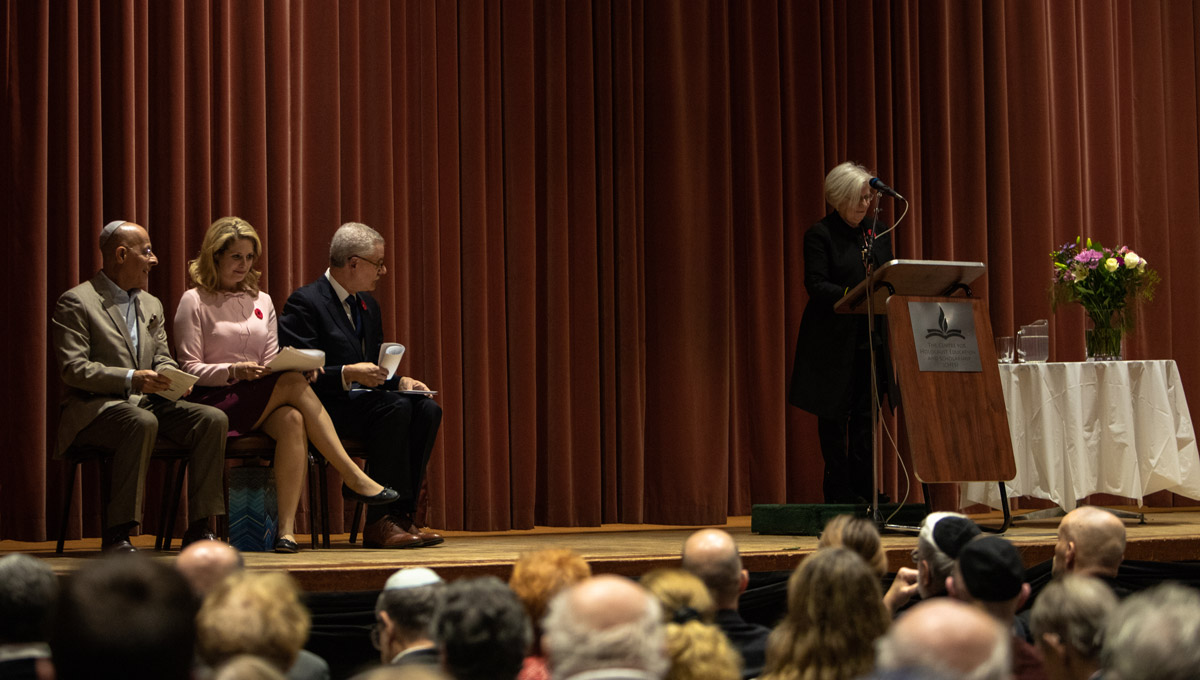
x=858, y=534
x=698, y=649
x=253, y=613
x=835, y=614
x=222, y=234
x=539, y=576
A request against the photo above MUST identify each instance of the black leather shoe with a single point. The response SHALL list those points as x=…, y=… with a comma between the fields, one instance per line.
x=286, y=545
x=119, y=545
x=197, y=532
x=388, y=495
x=116, y=539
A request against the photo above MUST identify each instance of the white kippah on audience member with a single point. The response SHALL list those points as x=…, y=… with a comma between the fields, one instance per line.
x=412, y=577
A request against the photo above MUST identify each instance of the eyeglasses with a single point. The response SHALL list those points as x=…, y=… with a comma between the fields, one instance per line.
x=916, y=556
x=379, y=266
x=867, y=198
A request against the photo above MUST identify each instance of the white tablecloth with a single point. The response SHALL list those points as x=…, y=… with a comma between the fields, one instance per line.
x=1118, y=427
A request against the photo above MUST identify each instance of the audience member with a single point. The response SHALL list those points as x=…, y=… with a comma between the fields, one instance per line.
x=698, y=649
x=536, y=578
x=247, y=667
x=110, y=340
x=1091, y=541
x=125, y=617
x=942, y=536
x=338, y=315
x=712, y=555
x=1068, y=625
x=258, y=614
x=990, y=575
x=28, y=589
x=860, y=535
x=1154, y=635
x=481, y=629
x=403, y=615
x=225, y=334
x=835, y=614
x=605, y=628
x=206, y=563
x=945, y=638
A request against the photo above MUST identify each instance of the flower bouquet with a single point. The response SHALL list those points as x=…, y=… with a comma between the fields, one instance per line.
x=1108, y=283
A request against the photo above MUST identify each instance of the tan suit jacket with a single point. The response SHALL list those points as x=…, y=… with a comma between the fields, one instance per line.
x=95, y=352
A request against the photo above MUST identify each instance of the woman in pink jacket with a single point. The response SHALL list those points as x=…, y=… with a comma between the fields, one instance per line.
x=225, y=333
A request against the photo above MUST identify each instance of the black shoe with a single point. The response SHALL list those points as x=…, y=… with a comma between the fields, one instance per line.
x=388, y=495
x=116, y=540
x=199, y=531
x=286, y=545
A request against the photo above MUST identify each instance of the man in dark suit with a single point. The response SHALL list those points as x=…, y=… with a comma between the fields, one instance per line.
x=337, y=314
x=110, y=339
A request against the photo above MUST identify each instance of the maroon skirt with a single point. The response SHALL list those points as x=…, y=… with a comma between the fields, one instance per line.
x=243, y=402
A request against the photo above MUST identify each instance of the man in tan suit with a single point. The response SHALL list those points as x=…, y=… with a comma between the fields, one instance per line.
x=110, y=338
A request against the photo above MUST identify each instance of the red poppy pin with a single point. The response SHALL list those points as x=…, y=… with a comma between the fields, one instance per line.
x=258, y=313
x=363, y=303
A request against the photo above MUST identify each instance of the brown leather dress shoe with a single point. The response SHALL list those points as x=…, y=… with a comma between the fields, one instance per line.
x=426, y=536
x=387, y=533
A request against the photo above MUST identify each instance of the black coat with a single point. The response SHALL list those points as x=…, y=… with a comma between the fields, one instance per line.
x=828, y=342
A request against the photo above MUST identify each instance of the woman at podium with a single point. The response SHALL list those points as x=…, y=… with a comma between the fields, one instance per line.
x=831, y=374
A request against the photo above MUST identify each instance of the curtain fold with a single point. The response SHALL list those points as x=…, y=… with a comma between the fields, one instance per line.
x=594, y=210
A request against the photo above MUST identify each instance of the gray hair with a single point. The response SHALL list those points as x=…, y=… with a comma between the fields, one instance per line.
x=891, y=654
x=844, y=184
x=574, y=647
x=28, y=590
x=1075, y=608
x=411, y=609
x=1154, y=635
x=352, y=238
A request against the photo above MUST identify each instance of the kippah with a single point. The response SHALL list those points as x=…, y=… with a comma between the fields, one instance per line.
x=952, y=533
x=412, y=577
x=108, y=230
x=992, y=569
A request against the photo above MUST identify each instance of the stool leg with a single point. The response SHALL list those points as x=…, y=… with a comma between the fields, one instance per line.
x=358, y=513
x=324, y=506
x=68, y=496
x=312, y=498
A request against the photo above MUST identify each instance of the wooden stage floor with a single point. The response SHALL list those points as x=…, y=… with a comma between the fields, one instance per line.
x=1168, y=535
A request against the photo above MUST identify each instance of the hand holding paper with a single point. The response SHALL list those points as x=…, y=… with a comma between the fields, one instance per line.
x=181, y=383
x=292, y=359
x=390, y=354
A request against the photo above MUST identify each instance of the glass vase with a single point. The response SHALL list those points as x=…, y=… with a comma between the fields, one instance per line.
x=1104, y=342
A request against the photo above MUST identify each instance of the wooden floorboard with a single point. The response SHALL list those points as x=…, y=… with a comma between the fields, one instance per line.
x=1167, y=535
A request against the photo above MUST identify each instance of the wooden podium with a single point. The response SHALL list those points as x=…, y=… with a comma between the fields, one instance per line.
x=949, y=379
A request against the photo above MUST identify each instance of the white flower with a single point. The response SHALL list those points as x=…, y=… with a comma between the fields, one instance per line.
x=1142, y=264
x=1131, y=259
x=1081, y=272
x=1111, y=264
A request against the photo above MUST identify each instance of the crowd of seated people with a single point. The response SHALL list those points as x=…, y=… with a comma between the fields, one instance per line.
x=131, y=616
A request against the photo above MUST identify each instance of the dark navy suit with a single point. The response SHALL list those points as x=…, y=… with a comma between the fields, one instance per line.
x=398, y=429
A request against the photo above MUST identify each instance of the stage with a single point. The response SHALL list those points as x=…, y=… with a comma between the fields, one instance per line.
x=1167, y=535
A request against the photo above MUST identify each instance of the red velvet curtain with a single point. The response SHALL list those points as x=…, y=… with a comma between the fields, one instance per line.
x=594, y=209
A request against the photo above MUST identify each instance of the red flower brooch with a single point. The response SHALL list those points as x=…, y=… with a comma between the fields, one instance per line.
x=258, y=313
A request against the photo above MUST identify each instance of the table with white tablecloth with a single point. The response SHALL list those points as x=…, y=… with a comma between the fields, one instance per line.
x=1079, y=428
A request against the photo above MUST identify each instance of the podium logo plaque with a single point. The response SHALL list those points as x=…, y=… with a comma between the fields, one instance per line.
x=944, y=333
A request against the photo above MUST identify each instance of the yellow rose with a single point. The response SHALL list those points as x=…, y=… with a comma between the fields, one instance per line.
x=1111, y=264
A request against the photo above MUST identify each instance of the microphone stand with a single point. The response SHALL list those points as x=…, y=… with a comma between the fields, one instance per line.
x=869, y=266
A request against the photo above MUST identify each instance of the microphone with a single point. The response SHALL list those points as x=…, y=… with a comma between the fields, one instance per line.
x=879, y=186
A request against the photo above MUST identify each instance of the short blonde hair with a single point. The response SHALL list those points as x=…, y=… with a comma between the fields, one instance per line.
x=253, y=613
x=844, y=184
x=678, y=591
x=538, y=576
x=222, y=234
x=700, y=651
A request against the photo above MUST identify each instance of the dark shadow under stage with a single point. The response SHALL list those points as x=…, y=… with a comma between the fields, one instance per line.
x=1167, y=535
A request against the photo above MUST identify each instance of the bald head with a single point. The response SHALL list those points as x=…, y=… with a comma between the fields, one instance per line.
x=1091, y=541
x=949, y=637
x=206, y=563
x=712, y=555
x=604, y=622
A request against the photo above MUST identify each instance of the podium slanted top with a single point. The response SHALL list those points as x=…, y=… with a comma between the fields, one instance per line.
x=908, y=277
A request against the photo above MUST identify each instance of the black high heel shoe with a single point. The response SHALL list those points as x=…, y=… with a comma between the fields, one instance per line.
x=388, y=495
x=286, y=546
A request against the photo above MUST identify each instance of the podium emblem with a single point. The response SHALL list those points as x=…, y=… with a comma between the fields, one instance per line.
x=944, y=333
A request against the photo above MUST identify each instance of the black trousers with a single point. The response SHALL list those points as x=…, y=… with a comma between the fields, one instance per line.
x=399, y=431
x=846, y=441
